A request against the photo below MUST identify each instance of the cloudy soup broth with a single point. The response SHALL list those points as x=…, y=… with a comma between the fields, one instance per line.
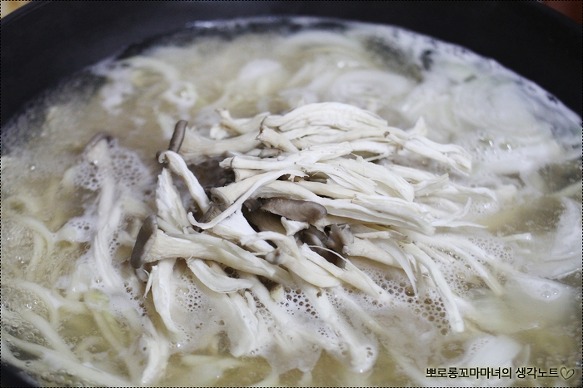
x=294, y=202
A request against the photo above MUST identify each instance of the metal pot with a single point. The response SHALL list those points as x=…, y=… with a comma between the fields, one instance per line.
x=47, y=40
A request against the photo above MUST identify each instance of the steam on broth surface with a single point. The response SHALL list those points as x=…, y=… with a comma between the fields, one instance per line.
x=351, y=205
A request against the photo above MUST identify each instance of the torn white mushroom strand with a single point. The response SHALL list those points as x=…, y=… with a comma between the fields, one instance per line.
x=304, y=174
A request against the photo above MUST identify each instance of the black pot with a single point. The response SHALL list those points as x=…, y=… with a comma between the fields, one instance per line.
x=45, y=41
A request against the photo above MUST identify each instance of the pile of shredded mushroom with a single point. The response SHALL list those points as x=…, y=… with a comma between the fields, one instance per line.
x=312, y=193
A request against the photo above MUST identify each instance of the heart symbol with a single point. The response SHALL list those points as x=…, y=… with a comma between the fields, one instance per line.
x=566, y=373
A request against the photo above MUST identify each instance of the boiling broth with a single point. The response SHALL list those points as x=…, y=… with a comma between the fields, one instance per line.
x=67, y=324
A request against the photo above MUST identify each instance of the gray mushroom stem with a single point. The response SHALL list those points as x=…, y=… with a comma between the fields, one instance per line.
x=178, y=136
x=144, y=241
